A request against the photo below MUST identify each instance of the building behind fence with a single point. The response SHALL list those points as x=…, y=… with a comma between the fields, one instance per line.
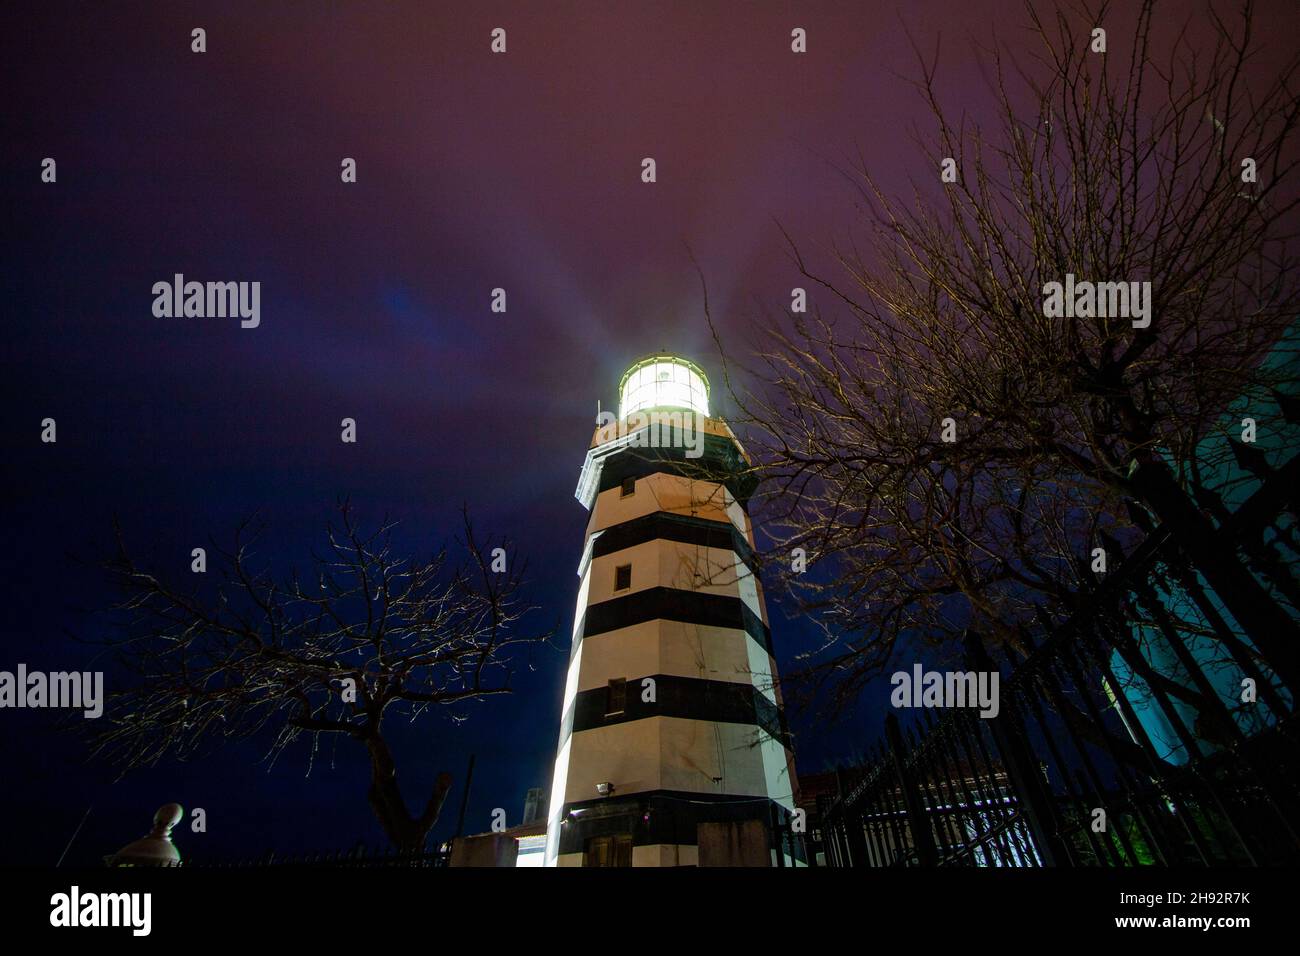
x=1148, y=729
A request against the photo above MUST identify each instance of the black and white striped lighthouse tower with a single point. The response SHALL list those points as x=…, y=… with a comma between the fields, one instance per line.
x=673, y=749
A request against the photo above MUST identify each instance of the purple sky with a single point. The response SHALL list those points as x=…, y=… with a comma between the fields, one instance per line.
x=475, y=171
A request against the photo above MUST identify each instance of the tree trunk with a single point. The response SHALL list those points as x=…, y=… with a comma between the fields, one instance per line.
x=407, y=832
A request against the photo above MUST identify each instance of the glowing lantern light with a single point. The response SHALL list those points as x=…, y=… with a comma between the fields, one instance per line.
x=663, y=381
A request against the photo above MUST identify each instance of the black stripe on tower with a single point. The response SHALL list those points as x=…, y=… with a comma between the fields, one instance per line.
x=689, y=698
x=666, y=526
x=721, y=462
x=674, y=604
x=661, y=817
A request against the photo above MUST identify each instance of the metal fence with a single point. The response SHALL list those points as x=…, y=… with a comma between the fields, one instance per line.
x=1149, y=729
x=356, y=858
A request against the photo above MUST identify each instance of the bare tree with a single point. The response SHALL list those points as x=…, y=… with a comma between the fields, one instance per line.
x=954, y=446
x=368, y=637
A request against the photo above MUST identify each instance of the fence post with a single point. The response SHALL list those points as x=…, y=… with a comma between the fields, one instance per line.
x=917, y=820
x=778, y=836
x=853, y=849
x=1009, y=736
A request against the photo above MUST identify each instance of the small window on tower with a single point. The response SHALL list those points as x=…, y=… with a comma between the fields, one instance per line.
x=629, y=487
x=615, y=696
x=623, y=577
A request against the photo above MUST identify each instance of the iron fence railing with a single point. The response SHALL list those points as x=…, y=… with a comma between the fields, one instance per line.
x=356, y=858
x=1147, y=729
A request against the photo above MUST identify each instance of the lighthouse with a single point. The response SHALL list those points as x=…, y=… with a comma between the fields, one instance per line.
x=673, y=747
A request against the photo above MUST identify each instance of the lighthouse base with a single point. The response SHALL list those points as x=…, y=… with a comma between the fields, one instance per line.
x=667, y=828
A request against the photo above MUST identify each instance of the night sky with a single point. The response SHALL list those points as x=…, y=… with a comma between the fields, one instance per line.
x=475, y=171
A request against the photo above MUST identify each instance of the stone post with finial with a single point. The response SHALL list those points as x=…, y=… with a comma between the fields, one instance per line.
x=155, y=849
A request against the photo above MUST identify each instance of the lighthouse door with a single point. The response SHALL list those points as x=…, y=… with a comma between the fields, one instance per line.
x=612, y=850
